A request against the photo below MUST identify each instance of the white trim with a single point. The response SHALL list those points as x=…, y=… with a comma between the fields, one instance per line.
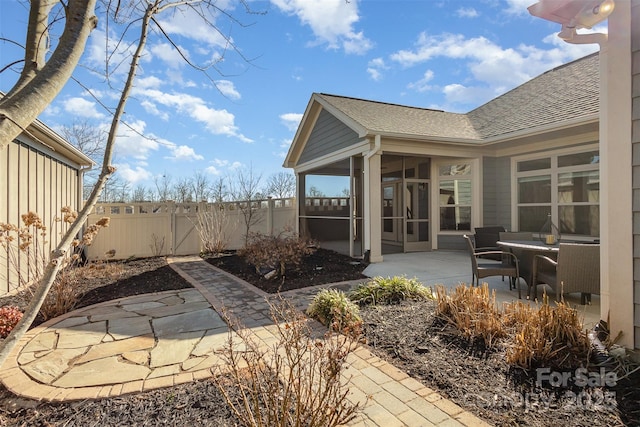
x=359, y=148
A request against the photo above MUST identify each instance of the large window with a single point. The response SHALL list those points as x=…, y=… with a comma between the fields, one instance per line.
x=455, y=196
x=565, y=185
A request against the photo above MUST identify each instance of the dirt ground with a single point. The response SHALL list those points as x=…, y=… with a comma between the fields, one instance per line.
x=405, y=334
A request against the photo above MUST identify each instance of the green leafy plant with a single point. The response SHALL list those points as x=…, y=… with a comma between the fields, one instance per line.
x=334, y=309
x=298, y=381
x=10, y=315
x=380, y=290
x=276, y=252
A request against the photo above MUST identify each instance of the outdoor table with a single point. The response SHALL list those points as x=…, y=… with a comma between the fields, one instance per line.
x=526, y=250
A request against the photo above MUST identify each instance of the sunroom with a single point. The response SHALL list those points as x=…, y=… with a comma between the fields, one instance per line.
x=377, y=178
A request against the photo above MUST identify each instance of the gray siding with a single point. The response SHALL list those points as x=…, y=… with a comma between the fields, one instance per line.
x=635, y=138
x=496, y=179
x=328, y=136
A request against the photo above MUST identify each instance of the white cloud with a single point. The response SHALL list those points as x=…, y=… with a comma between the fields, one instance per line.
x=188, y=23
x=130, y=174
x=228, y=89
x=375, y=68
x=518, y=7
x=218, y=122
x=332, y=22
x=151, y=82
x=130, y=142
x=494, y=68
x=220, y=166
x=184, y=152
x=468, y=12
x=422, y=85
x=169, y=54
x=291, y=120
x=82, y=108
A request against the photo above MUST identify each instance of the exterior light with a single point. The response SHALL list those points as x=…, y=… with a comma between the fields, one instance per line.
x=573, y=14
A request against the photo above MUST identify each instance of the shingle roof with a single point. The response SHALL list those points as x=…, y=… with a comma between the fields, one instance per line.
x=380, y=117
x=563, y=93
x=567, y=92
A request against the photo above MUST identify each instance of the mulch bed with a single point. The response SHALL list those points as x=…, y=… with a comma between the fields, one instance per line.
x=322, y=267
x=406, y=334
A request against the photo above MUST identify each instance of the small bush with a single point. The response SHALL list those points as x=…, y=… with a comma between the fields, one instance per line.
x=276, y=252
x=545, y=335
x=297, y=381
x=473, y=311
x=9, y=317
x=334, y=309
x=390, y=290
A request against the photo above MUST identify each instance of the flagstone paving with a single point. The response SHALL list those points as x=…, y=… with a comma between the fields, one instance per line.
x=158, y=340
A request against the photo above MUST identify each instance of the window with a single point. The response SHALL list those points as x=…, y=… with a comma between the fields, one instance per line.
x=565, y=185
x=455, y=196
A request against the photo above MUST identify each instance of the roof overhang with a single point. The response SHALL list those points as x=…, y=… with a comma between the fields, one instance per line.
x=46, y=136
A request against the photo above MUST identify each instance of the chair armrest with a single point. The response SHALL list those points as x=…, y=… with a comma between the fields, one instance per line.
x=503, y=253
x=544, y=260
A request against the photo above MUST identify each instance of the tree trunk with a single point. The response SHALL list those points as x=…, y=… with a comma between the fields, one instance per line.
x=58, y=255
x=39, y=84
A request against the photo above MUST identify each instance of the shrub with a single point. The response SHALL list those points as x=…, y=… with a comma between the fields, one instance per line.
x=388, y=290
x=215, y=226
x=276, y=252
x=10, y=315
x=298, y=381
x=473, y=311
x=334, y=309
x=28, y=250
x=544, y=335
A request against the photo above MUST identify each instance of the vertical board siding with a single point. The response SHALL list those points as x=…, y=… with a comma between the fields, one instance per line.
x=328, y=136
x=635, y=139
x=31, y=180
x=496, y=183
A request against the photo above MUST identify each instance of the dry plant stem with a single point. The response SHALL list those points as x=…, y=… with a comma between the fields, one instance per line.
x=58, y=255
x=295, y=382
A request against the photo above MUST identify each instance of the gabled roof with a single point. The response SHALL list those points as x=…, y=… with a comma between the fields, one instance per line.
x=384, y=118
x=568, y=93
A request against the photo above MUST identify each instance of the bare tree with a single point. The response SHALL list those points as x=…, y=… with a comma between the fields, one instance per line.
x=182, y=191
x=219, y=191
x=42, y=78
x=140, y=194
x=200, y=187
x=90, y=140
x=163, y=187
x=315, y=192
x=281, y=185
x=245, y=190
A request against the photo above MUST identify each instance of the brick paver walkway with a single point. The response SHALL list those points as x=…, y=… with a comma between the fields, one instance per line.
x=159, y=340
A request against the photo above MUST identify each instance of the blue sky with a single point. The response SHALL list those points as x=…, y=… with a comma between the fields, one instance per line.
x=446, y=54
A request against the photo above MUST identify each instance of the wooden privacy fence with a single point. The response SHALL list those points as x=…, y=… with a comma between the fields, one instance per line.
x=151, y=229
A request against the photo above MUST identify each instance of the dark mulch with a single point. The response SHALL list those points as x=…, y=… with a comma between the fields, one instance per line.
x=411, y=338
x=406, y=334
x=322, y=267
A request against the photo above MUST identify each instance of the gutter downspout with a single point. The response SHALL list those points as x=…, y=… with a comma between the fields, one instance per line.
x=370, y=209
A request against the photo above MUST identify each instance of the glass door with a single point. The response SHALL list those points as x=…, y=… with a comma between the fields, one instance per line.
x=416, y=204
x=392, y=216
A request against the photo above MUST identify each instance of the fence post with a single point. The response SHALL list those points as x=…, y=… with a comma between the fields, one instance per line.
x=171, y=205
x=270, y=206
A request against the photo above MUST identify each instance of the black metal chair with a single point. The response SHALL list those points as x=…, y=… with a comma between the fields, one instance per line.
x=507, y=265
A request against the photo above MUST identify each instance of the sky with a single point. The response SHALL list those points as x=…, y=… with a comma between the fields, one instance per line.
x=452, y=55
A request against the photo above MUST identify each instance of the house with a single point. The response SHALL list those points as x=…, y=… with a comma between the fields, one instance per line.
x=418, y=179
x=421, y=178
x=42, y=173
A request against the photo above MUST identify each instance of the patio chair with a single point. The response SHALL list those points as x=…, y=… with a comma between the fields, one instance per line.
x=485, y=240
x=577, y=270
x=508, y=266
